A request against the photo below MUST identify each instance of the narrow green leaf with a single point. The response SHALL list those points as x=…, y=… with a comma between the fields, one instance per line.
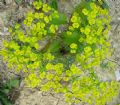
x=12, y=83
x=55, y=45
x=54, y=4
x=4, y=99
x=6, y=91
x=18, y=1
x=61, y=20
x=68, y=39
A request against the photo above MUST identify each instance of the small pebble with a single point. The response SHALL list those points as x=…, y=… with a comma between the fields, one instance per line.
x=117, y=74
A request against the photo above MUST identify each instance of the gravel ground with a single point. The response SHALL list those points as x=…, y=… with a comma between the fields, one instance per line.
x=33, y=96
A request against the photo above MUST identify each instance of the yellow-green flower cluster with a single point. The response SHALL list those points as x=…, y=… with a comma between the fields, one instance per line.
x=58, y=68
x=73, y=47
x=37, y=4
x=75, y=19
x=21, y=49
x=92, y=32
x=49, y=57
x=83, y=89
x=39, y=22
x=52, y=77
x=32, y=80
x=46, y=8
x=29, y=19
x=53, y=28
x=73, y=71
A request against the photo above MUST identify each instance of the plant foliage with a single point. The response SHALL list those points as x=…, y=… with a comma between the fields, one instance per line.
x=5, y=89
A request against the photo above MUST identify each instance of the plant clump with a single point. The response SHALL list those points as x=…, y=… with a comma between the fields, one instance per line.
x=66, y=64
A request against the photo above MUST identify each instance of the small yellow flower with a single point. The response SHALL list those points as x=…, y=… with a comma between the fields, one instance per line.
x=93, y=6
x=49, y=56
x=100, y=1
x=99, y=22
x=46, y=8
x=71, y=28
x=30, y=14
x=30, y=19
x=74, y=19
x=42, y=75
x=81, y=39
x=75, y=25
x=82, y=29
x=66, y=78
x=37, y=5
x=85, y=11
x=45, y=32
x=49, y=76
x=31, y=76
x=87, y=30
x=42, y=25
x=25, y=70
x=37, y=46
x=69, y=33
x=87, y=49
x=50, y=17
x=56, y=78
x=49, y=66
x=68, y=73
x=55, y=14
x=6, y=44
x=49, y=8
x=92, y=14
x=90, y=40
x=17, y=26
x=99, y=31
x=41, y=15
x=46, y=19
x=10, y=29
x=91, y=21
x=37, y=15
x=38, y=25
x=105, y=12
x=53, y=28
x=105, y=32
x=73, y=46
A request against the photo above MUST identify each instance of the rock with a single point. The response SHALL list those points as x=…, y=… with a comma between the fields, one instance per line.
x=65, y=7
x=5, y=14
x=1, y=33
x=1, y=24
x=5, y=29
x=1, y=3
x=29, y=1
x=75, y=2
x=8, y=1
x=117, y=74
x=118, y=18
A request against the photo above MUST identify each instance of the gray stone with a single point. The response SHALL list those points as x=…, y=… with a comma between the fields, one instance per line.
x=1, y=23
x=1, y=33
x=5, y=29
x=117, y=74
x=8, y=1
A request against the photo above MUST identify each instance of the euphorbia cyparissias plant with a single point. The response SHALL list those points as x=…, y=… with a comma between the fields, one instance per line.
x=66, y=63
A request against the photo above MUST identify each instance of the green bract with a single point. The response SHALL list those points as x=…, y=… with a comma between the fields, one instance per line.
x=66, y=63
